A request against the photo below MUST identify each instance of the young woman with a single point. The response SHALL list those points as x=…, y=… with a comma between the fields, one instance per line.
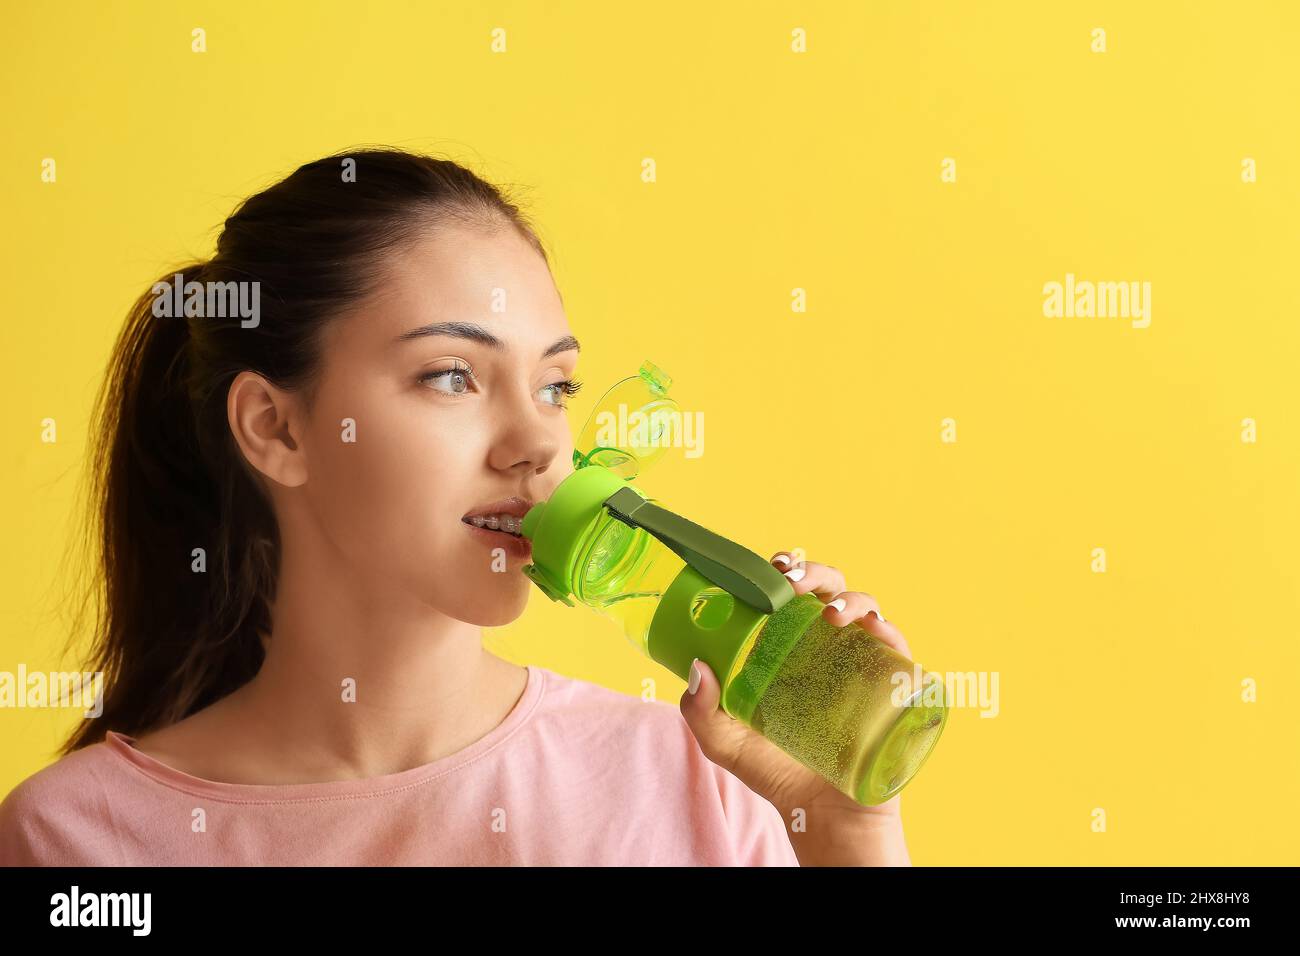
x=290, y=627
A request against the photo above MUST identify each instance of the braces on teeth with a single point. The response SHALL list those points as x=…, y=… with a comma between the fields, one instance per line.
x=510, y=524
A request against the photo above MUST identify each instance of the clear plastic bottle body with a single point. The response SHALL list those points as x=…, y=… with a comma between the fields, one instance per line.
x=837, y=699
x=623, y=572
x=841, y=702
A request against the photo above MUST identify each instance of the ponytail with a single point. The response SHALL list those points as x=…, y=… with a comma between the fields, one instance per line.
x=184, y=588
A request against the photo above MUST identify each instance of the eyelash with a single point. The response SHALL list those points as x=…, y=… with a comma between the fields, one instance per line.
x=567, y=387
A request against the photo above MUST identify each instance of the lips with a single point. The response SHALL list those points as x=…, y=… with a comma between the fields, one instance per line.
x=500, y=519
x=510, y=512
x=506, y=506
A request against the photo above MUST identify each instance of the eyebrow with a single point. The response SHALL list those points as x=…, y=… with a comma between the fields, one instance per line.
x=476, y=333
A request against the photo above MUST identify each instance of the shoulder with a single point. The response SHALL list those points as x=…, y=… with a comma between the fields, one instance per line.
x=595, y=714
x=648, y=743
x=59, y=816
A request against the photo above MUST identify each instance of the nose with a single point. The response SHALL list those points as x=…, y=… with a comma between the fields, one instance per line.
x=530, y=437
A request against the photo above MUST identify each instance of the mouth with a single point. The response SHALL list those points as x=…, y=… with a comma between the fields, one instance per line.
x=504, y=517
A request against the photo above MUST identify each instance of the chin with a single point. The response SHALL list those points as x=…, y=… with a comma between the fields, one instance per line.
x=493, y=617
x=496, y=606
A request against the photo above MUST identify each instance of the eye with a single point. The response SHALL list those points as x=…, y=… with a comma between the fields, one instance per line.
x=566, y=387
x=458, y=377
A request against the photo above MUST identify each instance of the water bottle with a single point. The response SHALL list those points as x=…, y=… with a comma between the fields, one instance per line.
x=837, y=699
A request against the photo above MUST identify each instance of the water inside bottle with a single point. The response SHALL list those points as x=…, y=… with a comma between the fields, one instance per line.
x=829, y=704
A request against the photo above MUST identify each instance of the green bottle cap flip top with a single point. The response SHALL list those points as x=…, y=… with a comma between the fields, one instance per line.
x=837, y=699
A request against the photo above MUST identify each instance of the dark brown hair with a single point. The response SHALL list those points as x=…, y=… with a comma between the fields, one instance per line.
x=166, y=476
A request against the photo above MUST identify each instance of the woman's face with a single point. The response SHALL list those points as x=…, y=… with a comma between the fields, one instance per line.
x=449, y=419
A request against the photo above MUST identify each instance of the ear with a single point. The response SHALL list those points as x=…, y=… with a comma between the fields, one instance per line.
x=264, y=421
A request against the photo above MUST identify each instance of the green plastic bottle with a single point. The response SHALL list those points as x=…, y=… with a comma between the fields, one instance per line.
x=837, y=699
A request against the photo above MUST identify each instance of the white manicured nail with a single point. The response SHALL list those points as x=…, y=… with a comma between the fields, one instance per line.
x=694, y=683
x=795, y=574
x=838, y=604
x=782, y=558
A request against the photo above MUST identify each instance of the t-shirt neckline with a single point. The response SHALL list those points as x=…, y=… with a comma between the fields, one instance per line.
x=122, y=745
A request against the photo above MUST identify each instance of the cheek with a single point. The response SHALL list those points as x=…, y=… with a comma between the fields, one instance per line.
x=384, y=484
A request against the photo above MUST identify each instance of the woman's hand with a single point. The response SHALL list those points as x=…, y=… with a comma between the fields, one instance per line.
x=839, y=831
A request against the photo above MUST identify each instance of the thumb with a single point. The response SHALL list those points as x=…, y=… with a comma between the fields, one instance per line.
x=756, y=761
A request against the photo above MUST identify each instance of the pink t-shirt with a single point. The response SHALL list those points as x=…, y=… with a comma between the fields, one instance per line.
x=577, y=774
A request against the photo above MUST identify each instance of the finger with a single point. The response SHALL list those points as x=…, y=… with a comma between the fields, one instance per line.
x=810, y=577
x=863, y=610
x=851, y=606
x=732, y=745
x=785, y=560
x=717, y=731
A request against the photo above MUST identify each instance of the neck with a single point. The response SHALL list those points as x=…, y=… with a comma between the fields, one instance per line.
x=361, y=679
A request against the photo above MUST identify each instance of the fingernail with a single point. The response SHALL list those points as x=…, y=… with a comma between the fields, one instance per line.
x=782, y=558
x=838, y=604
x=877, y=613
x=795, y=574
x=694, y=683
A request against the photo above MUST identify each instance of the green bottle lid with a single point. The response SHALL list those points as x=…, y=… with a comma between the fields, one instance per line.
x=557, y=527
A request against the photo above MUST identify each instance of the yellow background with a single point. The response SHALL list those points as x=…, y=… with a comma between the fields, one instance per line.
x=1118, y=690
